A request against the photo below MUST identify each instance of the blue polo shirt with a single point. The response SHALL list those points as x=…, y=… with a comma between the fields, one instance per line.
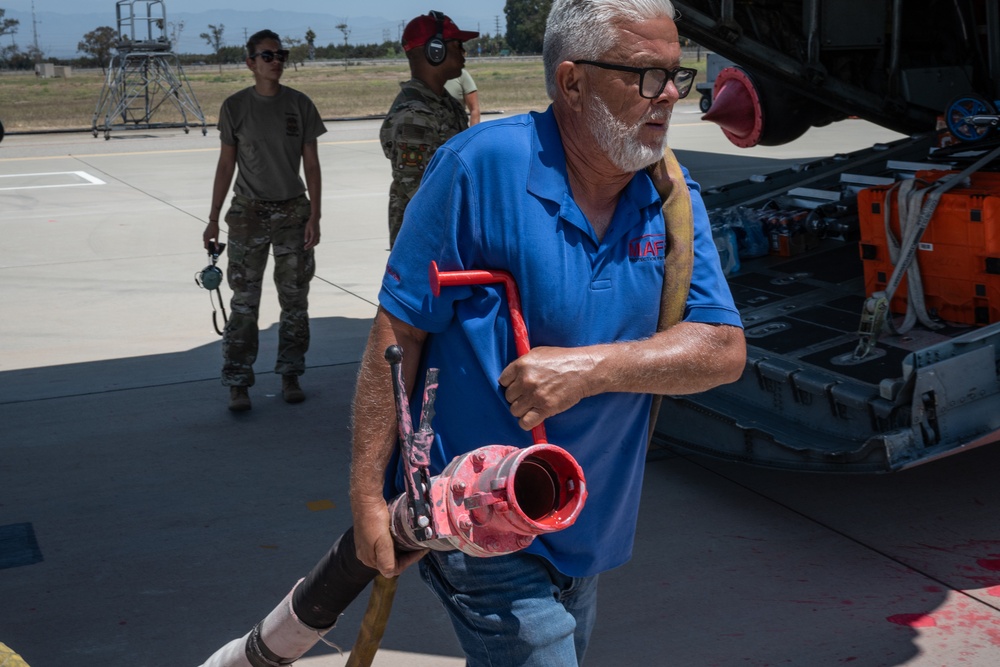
x=497, y=197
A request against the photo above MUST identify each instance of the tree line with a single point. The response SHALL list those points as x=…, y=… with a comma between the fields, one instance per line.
x=525, y=30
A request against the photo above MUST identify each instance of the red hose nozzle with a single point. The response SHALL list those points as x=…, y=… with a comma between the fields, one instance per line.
x=496, y=499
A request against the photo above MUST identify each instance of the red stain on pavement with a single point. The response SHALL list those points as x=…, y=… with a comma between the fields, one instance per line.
x=995, y=591
x=912, y=620
x=964, y=616
x=992, y=564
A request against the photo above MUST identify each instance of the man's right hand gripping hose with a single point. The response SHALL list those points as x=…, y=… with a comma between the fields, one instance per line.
x=488, y=502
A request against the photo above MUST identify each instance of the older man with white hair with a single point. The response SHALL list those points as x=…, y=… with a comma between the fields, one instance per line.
x=562, y=200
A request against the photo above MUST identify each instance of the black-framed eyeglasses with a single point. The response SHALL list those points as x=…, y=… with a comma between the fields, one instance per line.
x=652, y=80
x=268, y=56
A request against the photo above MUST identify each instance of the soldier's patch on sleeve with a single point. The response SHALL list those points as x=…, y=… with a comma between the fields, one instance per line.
x=415, y=129
x=412, y=155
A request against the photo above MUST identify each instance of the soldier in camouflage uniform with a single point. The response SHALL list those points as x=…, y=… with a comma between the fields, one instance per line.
x=423, y=116
x=268, y=131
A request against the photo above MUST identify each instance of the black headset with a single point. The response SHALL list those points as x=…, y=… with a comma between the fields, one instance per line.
x=435, y=49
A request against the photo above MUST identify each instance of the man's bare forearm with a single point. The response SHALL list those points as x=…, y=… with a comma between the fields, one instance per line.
x=687, y=358
x=374, y=412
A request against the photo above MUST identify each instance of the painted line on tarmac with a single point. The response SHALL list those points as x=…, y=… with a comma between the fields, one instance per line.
x=349, y=141
x=213, y=149
x=87, y=179
x=73, y=156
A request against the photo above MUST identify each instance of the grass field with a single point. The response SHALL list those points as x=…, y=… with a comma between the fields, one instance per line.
x=31, y=103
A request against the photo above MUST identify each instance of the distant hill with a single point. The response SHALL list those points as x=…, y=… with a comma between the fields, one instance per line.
x=58, y=34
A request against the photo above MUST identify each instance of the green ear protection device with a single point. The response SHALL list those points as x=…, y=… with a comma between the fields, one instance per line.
x=210, y=278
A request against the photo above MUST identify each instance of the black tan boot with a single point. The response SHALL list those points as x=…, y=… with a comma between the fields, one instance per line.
x=239, y=399
x=290, y=389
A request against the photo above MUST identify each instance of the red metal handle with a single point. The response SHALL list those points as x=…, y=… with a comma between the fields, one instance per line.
x=441, y=279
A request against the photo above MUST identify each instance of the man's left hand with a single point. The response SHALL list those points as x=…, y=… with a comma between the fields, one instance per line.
x=547, y=381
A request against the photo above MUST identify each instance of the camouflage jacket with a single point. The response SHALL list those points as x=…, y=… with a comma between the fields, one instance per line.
x=418, y=122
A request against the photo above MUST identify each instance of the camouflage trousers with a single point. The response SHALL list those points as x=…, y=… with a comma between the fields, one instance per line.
x=398, y=199
x=257, y=228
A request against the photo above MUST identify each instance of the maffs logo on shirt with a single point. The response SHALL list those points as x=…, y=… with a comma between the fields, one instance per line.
x=647, y=248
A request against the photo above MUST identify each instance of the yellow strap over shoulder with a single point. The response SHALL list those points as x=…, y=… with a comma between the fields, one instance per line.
x=8, y=658
x=678, y=218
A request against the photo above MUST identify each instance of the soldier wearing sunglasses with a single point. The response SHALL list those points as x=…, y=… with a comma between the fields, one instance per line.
x=268, y=134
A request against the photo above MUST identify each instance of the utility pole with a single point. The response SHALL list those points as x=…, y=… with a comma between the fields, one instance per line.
x=34, y=32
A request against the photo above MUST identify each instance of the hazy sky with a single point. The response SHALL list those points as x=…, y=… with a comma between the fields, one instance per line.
x=341, y=8
x=374, y=20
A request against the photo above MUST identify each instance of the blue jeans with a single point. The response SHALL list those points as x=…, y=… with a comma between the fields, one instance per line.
x=513, y=610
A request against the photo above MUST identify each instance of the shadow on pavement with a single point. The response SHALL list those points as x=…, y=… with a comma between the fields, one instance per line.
x=166, y=526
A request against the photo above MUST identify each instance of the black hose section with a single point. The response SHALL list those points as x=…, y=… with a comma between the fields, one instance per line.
x=332, y=585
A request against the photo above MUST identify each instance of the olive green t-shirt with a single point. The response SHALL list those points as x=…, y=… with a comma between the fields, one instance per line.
x=269, y=133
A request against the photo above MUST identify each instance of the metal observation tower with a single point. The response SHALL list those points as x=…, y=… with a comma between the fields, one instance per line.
x=145, y=78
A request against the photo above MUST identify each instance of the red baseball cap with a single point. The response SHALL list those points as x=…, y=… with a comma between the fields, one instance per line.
x=423, y=28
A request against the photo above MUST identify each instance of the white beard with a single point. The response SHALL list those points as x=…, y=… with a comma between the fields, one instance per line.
x=619, y=141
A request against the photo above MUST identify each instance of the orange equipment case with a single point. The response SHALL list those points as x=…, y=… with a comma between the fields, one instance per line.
x=958, y=254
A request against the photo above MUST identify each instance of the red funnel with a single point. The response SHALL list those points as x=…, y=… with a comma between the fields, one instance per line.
x=736, y=107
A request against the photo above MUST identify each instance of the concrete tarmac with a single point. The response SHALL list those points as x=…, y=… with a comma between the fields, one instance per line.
x=143, y=525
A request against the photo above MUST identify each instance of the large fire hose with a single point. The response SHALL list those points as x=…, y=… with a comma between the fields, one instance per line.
x=488, y=502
